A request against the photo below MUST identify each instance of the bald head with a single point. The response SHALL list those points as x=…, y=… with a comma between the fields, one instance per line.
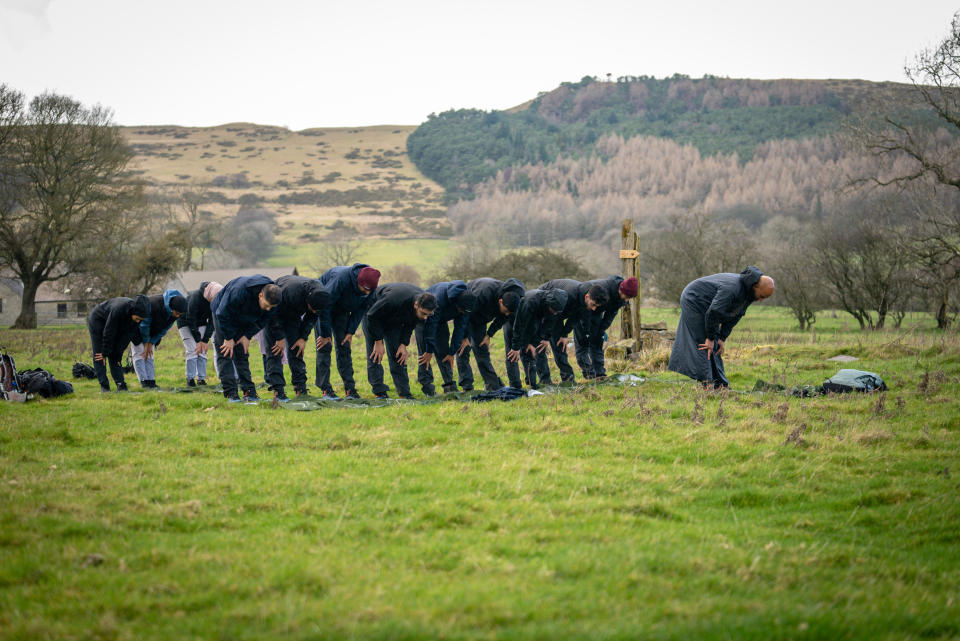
x=764, y=288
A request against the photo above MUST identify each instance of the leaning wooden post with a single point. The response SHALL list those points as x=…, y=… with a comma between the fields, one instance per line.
x=630, y=317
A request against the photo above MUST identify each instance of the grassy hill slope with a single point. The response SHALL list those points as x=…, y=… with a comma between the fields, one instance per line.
x=312, y=178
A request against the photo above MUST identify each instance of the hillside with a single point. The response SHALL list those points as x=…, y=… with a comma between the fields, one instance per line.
x=314, y=180
x=460, y=149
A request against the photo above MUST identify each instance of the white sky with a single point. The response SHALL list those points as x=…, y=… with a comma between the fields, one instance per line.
x=318, y=63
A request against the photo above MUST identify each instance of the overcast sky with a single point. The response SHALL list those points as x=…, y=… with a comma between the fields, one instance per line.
x=318, y=63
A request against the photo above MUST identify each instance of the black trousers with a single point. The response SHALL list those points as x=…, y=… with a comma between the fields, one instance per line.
x=513, y=369
x=588, y=343
x=234, y=372
x=338, y=320
x=113, y=358
x=559, y=357
x=425, y=372
x=401, y=378
x=492, y=381
x=273, y=364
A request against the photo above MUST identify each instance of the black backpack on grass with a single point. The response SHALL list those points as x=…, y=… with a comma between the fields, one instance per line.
x=854, y=380
x=40, y=381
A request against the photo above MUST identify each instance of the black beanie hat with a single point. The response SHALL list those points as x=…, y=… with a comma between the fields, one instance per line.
x=467, y=301
x=178, y=304
x=318, y=297
x=141, y=306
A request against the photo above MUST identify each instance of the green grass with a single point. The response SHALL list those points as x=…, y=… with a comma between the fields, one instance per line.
x=657, y=511
x=421, y=254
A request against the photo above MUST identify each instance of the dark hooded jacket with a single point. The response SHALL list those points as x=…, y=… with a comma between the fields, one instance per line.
x=607, y=312
x=489, y=291
x=292, y=310
x=119, y=328
x=575, y=310
x=237, y=307
x=722, y=298
x=446, y=293
x=710, y=308
x=392, y=306
x=345, y=295
x=534, y=321
x=154, y=327
x=198, y=315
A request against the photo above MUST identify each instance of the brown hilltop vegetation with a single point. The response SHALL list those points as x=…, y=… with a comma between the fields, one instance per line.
x=311, y=179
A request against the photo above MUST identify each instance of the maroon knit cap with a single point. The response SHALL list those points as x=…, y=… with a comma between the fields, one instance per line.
x=368, y=278
x=630, y=287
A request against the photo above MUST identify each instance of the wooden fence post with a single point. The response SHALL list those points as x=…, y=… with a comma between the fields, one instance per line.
x=630, y=317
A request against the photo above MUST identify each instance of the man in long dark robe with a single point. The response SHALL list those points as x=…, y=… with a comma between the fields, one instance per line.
x=710, y=307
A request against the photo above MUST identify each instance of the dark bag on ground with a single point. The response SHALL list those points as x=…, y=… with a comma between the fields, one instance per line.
x=854, y=380
x=82, y=370
x=40, y=381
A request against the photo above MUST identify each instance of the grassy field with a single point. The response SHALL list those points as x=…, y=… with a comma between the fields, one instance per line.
x=422, y=254
x=656, y=511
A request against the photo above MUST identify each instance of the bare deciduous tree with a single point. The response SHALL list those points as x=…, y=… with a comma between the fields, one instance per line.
x=63, y=182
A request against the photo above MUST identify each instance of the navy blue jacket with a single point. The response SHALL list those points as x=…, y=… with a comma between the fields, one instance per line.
x=237, y=307
x=345, y=295
x=489, y=291
x=198, y=315
x=446, y=311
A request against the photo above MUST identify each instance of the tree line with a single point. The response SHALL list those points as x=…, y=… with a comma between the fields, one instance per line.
x=461, y=148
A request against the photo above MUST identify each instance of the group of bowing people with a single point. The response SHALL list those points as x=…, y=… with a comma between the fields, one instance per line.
x=282, y=315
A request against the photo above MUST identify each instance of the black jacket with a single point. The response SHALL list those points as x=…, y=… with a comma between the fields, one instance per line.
x=292, y=310
x=237, y=307
x=392, y=306
x=489, y=291
x=198, y=315
x=534, y=321
x=119, y=328
x=576, y=310
x=722, y=299
x=613, y=305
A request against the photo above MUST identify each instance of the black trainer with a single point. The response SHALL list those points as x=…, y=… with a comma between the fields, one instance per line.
x=351, y=393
